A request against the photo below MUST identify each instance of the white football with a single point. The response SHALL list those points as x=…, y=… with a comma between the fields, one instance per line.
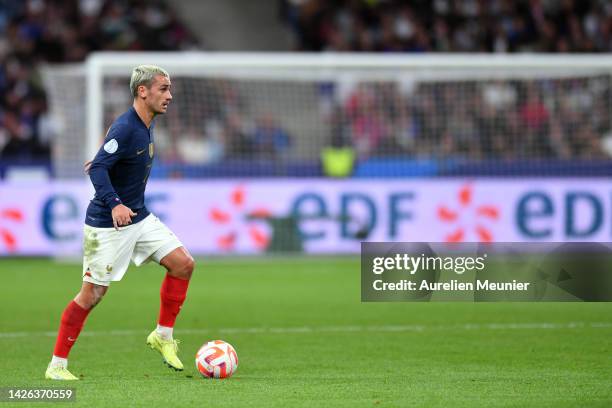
x=216, y=359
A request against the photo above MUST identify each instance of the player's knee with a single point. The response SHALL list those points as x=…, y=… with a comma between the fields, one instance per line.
x=98, y=294
x=184, y=269
x=188, y=267
x=91, y=295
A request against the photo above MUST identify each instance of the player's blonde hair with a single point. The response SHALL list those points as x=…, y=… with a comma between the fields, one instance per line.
x=144, y=75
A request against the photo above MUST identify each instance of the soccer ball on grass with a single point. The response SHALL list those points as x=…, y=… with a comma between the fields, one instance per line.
x=216, y=359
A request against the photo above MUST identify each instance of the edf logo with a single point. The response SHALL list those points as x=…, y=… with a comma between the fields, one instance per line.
x=578, y=215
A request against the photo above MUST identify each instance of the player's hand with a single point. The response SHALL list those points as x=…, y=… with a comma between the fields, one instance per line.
x=122, y=216
x=87, y=166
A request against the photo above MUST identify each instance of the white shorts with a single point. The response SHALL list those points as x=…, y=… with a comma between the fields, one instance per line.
x=107, y=252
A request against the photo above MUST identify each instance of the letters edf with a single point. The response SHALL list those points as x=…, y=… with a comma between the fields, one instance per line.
x=582, y=215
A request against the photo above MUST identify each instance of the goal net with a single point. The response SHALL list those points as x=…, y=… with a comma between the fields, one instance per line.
x=242, y=115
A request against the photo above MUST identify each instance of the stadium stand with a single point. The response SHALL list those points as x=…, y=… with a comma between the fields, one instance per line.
x=450, y=26
x=34, y=32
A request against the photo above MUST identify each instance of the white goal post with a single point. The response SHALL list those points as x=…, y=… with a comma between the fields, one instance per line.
x=283, y=68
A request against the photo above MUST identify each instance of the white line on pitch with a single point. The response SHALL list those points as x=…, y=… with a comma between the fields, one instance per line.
x=336, y=329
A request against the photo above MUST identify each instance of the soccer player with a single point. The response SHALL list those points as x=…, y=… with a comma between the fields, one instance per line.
x=119, y=228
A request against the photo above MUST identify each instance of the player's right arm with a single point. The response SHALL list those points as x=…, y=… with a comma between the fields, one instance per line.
x=116, y=145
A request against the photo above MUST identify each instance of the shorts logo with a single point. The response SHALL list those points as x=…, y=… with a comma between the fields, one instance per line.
x=109, y=268
x=111, y=146
x=139, y=152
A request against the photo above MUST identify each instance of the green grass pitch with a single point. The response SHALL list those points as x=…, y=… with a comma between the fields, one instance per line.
x=304, y=339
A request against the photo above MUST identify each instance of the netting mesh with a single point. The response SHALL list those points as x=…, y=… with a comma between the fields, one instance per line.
x=66, y=90
x=426, y=122
x=213, y=119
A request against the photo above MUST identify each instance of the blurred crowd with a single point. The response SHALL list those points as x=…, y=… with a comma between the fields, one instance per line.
x=210, y=120
x=552, y=118
x=228, y=137
x=221, y=123
x=62, y=31
x=450, y=25
x=221, y=129
x=565, y=117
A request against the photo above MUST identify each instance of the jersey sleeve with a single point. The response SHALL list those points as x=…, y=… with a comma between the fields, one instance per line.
x=116, y=145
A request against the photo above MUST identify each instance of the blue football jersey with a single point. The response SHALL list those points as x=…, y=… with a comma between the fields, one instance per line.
x=120, y=170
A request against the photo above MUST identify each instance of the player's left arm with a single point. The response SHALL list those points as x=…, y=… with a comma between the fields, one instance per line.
x=116, y=145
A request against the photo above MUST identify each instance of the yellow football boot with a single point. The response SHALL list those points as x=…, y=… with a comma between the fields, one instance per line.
x=59, y=372
x=167, y=348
